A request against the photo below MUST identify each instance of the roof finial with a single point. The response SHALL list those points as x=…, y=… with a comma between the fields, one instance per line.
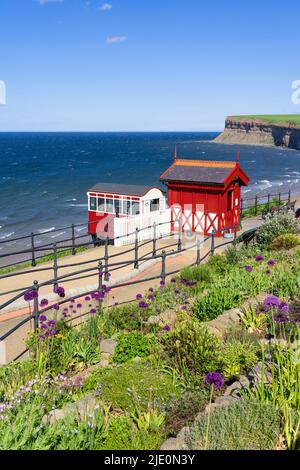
x=175, y=153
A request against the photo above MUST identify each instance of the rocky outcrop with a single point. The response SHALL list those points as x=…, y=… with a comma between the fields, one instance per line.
x=258, y=132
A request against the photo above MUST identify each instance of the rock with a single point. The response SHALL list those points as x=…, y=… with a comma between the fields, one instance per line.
x=153, y=320
x=255, y=374
x=234, y=390
x=108, y=346
x=104, y=363
x=105, y=356
x=169, y=317
x=83, y=407
x=172, y=444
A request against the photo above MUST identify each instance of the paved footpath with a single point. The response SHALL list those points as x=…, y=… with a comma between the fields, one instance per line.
x=18, y=311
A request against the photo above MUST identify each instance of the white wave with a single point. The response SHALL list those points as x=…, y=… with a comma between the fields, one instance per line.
x=7, y=235
x=80, y=229
x=46, y=230
x=295, y=173
x=78, y=205
x=58, y=235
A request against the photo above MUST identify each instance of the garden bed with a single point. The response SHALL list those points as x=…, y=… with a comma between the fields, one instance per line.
x=134, y=376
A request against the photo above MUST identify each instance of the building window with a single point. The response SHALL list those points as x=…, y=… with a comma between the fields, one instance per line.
x=154, y=205
x=109, y=206
x=93, y=203
x=126, y=207
x=117, y=206
x=135, y=208
x=101, y=204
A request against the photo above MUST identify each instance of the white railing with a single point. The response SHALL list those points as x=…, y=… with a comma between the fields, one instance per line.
x=128, y=225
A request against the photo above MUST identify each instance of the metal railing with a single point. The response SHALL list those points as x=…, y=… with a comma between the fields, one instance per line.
x=264, y=200
x=104, y=267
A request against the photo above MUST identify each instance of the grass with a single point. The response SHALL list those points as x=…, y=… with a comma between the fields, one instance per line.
x=42, y=260
x=277, y=119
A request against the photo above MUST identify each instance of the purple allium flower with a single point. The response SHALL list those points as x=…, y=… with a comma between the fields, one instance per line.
x=166, y=328
x=41, y=337
x=60, y=291
x=43, y=318
x=108, y=276
x=28, y=296
x=51, y=323
x=173, y=280
x=162, y=284
x=44, y=303
x=272, y=301
x=79, y=305
x=93, y=311
x=87, y=299
x=271, y=262
x=282, y=319
x=74, y=311
x=101, y=274
x=268, y=272
x=177, y=291
x=150, y=297
x=43, y=326
x=215, y=379
x=284, y=307
x=259, y=258
x=138, y=296
x=143, y=304
x=151, y=289
x=191, y=283
x=249, y=269
x=56, y=307
x=131, y=315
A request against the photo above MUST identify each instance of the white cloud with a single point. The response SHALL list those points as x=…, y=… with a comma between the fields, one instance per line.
x=116, y=39
x=105, y=7
x=44, y=2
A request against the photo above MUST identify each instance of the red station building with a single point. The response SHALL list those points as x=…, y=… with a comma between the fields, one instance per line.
x=205, y=196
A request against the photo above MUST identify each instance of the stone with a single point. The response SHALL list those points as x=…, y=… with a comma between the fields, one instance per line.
x=83, y=407
x=105, y=356
x=234, y=390
x=172, y=444
x=108, y=346
x=255, y=374
x=104, y=363
x=169, y=317
x=153, y=320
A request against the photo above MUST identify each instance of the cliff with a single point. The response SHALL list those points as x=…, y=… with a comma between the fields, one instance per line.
x=281, y=131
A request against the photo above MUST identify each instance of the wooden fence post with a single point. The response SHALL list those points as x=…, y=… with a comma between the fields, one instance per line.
x=55, y=268
x=100, y=274
x=136, y=249
x=289, y=195
x=73, y=241
x=33, y=261
x=268, y=201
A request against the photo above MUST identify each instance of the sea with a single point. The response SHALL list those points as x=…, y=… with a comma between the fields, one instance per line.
x=44, y=177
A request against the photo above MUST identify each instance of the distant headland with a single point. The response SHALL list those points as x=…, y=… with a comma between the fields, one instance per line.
x=274, y=130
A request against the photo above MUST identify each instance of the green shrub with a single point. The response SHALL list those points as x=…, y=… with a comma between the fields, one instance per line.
x=201, y=273
x=191, y=346
x=218, y=264
x=285, y=242
x=124, y=435
x=237, y=356
x=276, y=225
x=182, y=411
x=120, y=384
x=134, y=344
x=246, y=425
x=127, y=317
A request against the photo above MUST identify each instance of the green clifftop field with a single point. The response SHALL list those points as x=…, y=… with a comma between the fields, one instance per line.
x=272, y=119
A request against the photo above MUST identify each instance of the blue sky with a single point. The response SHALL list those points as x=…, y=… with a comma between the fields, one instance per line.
x=150, y=65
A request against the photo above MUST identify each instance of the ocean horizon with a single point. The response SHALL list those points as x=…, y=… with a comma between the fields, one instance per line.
x=45, y=175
